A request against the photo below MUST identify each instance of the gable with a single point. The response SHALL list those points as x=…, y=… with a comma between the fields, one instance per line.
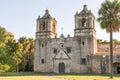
x=61, y=55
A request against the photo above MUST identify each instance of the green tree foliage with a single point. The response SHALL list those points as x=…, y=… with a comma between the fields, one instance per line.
x=100, y=41
x=4, y=64
x=115, y=41
x=15, y=56
x=5, y=59
x=109, y=18
x=4, y=67
x=28, y=52
x=31, y=54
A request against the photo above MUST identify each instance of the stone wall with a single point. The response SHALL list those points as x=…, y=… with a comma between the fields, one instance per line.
x=105, y=48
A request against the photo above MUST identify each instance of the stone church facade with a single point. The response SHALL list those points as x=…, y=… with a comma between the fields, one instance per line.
x=78, y=54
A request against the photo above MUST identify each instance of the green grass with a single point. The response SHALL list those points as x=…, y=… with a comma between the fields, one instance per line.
x=52, y=76
x=88, y=77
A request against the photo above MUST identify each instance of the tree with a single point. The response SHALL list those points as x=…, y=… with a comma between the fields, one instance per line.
x=28, y=51
x=99, y=40
x=26, y=45
x=17, y=55
x=31, y=54
x=109, y=18
x=115, y=41
x=5, y=59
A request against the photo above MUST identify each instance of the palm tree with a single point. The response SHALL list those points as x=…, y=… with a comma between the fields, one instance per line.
x=109, y=18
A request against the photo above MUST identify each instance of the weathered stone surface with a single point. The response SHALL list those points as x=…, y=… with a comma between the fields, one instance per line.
x=78, y=54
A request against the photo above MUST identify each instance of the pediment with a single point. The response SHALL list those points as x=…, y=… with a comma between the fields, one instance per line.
x=61, y=55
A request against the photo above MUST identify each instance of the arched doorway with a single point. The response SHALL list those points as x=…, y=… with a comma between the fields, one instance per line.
x=61, y=68
x=118, y=70
x=116, y=67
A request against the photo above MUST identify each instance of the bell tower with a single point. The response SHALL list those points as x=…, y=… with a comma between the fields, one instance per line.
x=46, y=26
x=84, y=22
x=45, y=30
x=85, y=31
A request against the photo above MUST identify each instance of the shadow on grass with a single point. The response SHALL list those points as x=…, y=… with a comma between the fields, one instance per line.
x=21, y=74
x=51, y=74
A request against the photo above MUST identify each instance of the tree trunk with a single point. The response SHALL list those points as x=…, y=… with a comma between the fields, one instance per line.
x=17, y=69
x=23, y=62
x=111, y=54
x=17, y=66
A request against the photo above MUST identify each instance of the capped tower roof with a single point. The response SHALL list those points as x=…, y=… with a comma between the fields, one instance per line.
x=85, y=10
x=47, y=14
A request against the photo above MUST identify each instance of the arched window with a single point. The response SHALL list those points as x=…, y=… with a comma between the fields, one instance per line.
x=83, y=43
x=42, y=44
x=39, y=28
x=42, y=61
x=43, y=26
x=83, y=22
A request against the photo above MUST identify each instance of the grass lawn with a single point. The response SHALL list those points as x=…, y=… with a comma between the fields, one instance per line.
x=88, y=77
x=52, y=76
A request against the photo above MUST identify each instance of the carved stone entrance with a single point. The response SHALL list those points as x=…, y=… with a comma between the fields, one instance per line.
x=61, y=68
x=61, y=61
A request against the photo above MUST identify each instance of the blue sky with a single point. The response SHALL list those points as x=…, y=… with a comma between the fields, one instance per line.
x=19, y=16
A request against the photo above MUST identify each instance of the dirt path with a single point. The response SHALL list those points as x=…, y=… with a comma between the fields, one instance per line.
x=54, y=78
x=45, y=77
